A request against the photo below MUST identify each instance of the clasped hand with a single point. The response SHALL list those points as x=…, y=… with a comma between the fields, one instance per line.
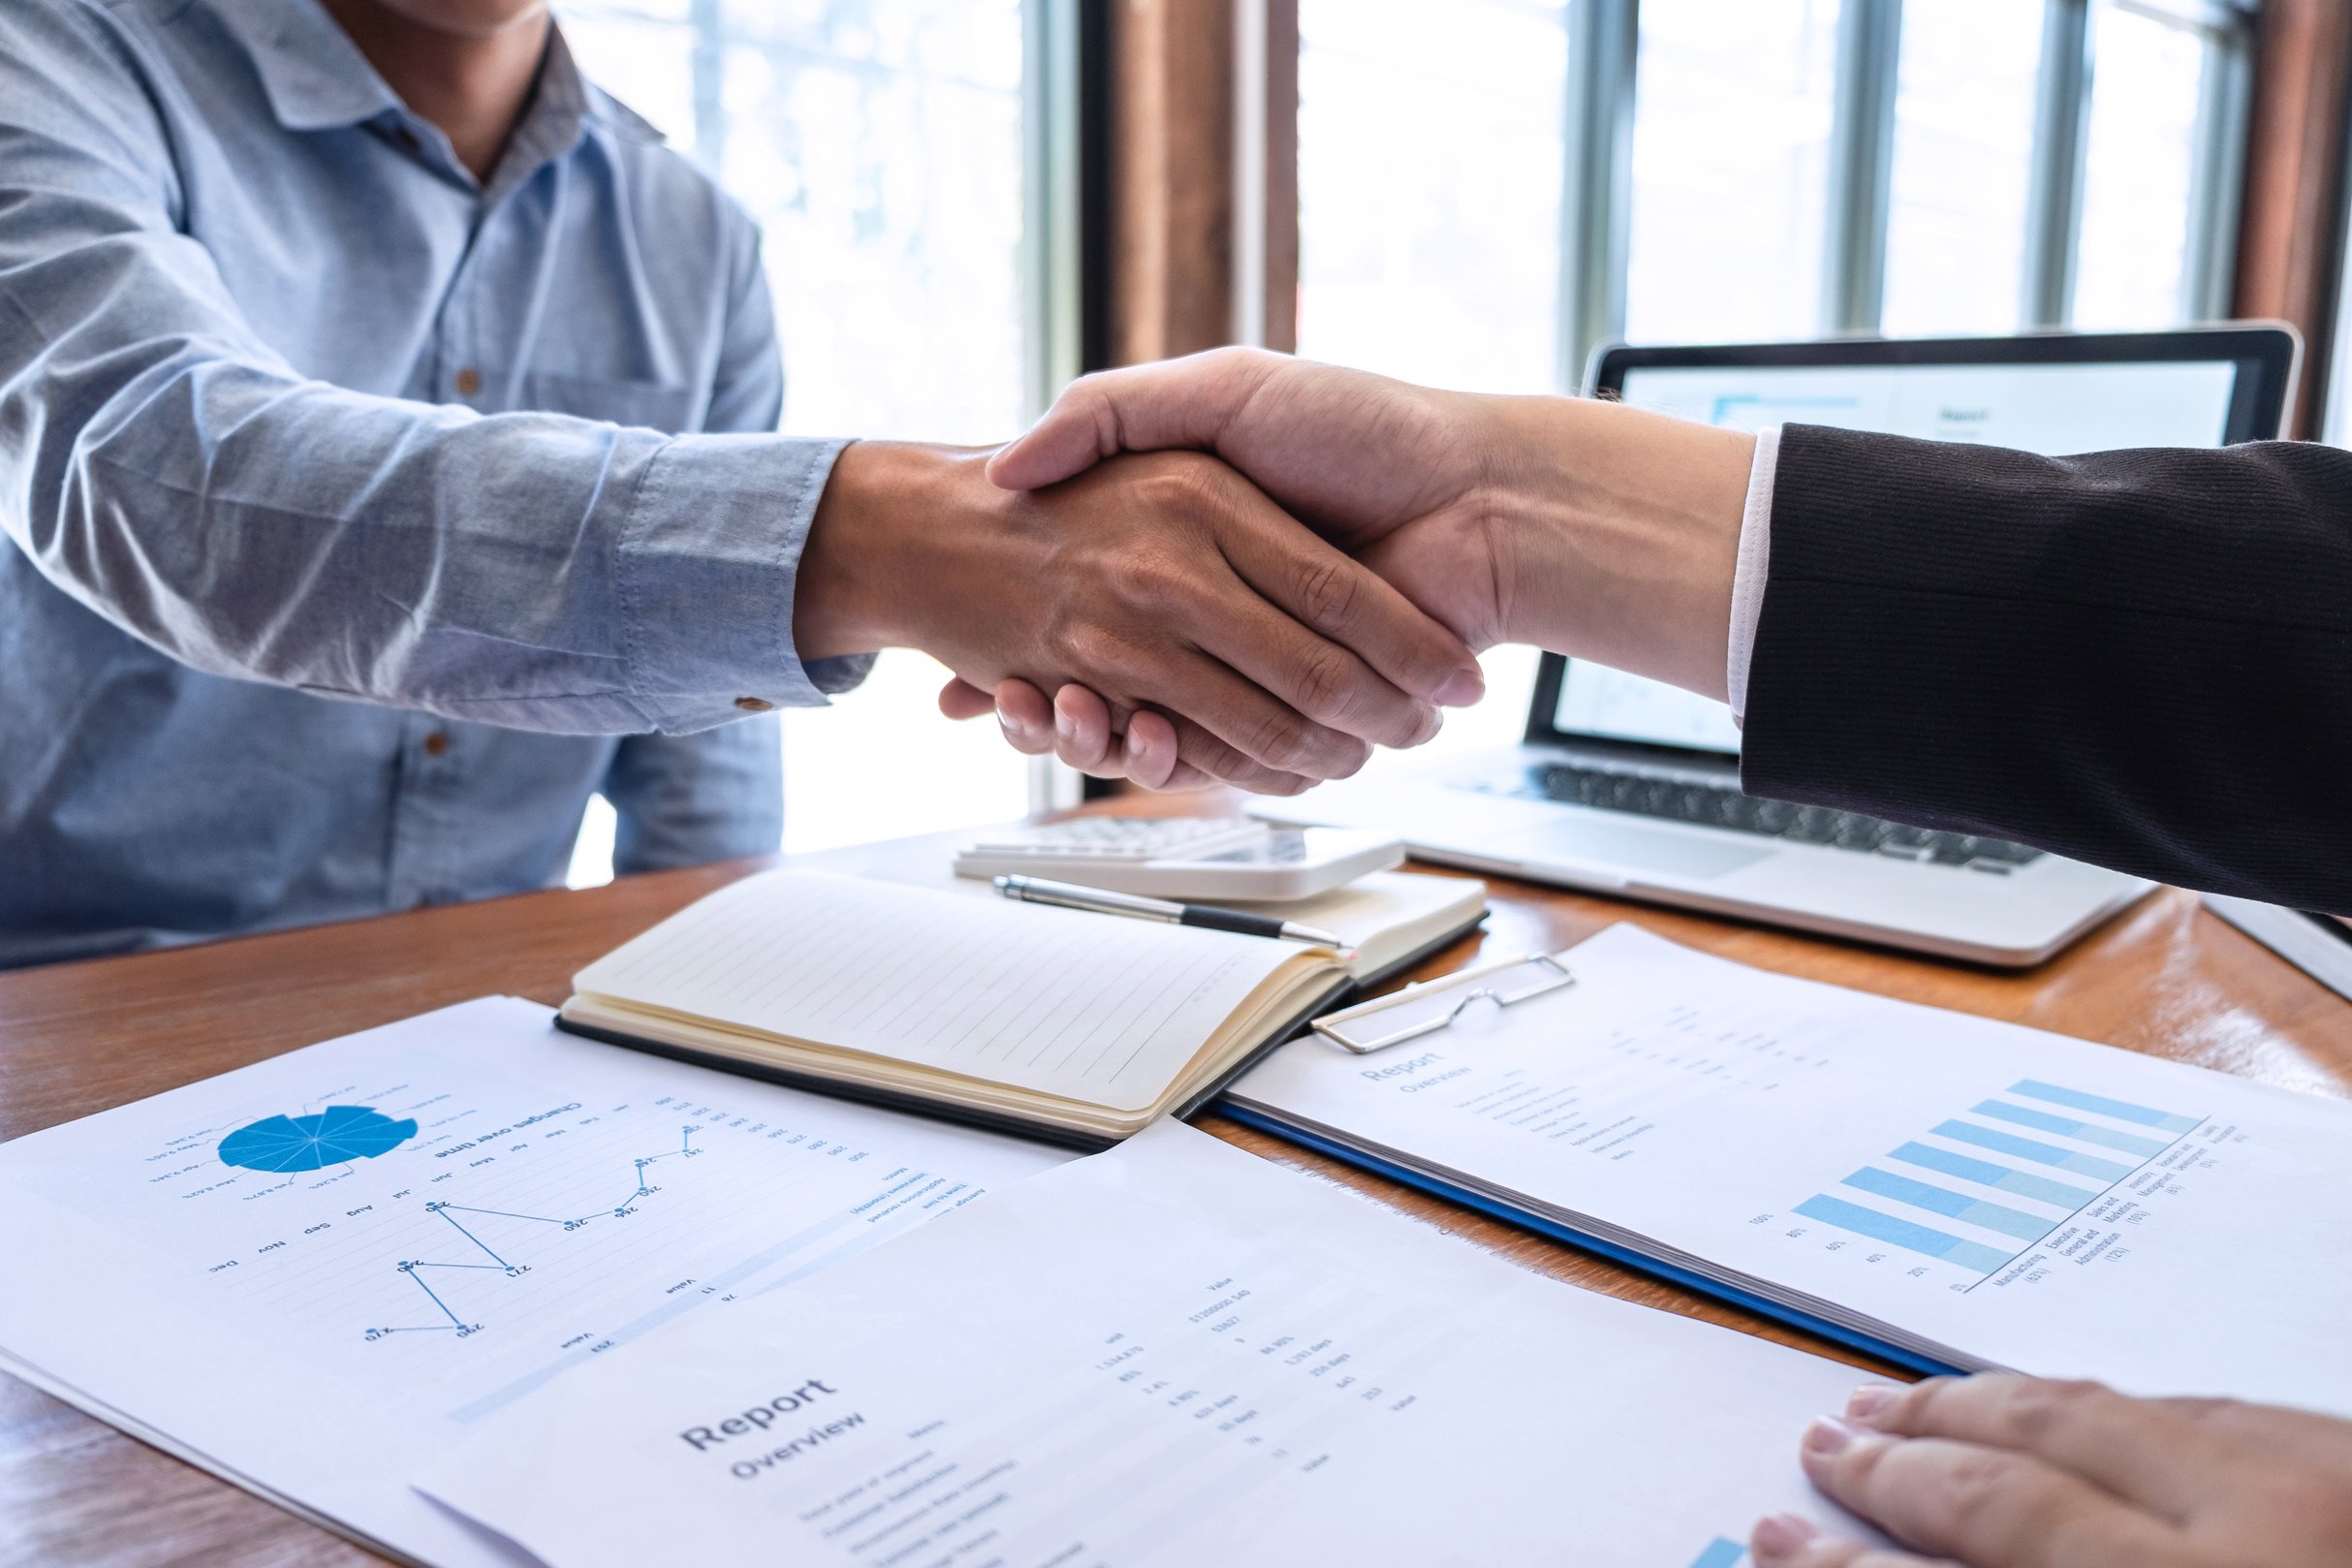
x=1165, y=583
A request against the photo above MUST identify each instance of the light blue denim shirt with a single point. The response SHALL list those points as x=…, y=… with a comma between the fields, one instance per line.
x=303, y=616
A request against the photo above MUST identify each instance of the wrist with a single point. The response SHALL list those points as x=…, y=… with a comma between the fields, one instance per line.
x=876, y=543
x=1616, y=534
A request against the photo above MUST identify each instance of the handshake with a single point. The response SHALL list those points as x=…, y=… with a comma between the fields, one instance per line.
x=1246, y=568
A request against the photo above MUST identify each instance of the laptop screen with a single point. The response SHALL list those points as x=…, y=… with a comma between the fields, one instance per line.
x=2045, y=406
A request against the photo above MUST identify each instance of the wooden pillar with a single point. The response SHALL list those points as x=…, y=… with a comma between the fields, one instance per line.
x=2291, y=224
x=1172, y=276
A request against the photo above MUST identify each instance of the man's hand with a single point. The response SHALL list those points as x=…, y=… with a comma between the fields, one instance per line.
x=2012, y=1472
x=1581, y=527
x=1163, y=582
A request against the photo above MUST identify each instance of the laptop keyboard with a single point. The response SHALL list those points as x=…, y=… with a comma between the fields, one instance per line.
x=1725, y=806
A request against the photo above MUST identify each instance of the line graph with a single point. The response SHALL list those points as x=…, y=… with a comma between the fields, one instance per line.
x=499, y=1263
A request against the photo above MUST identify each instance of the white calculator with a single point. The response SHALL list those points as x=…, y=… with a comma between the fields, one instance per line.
x=1201, y=858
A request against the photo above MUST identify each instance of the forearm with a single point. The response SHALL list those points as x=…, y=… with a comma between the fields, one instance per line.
x=532, y=571
x=1616, y=532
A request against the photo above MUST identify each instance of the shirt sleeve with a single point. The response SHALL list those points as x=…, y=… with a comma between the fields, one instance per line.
x=719, y=794
x=1753, y=565
x=166, y=467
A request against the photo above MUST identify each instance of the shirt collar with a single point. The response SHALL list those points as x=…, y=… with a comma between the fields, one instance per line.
x=317, y=80
x=314, y=74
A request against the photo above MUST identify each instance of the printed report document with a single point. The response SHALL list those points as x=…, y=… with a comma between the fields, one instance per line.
x=1172, y=1354
x=316, y=1274
x=1967, y=1193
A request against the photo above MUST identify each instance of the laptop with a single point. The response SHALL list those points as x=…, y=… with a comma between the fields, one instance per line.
x=1631, y=787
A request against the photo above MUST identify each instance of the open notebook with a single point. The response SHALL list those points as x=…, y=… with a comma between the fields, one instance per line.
x=1077, y=1027
x=1388, y=920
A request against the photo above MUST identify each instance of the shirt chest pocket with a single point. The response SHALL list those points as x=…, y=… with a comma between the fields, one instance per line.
x=674, y=410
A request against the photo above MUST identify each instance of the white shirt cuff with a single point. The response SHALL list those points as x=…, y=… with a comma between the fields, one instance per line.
x=1755, y=560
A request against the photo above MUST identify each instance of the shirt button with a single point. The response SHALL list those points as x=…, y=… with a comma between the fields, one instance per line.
x=436, y=744
x=467, y=382
x=753, y=705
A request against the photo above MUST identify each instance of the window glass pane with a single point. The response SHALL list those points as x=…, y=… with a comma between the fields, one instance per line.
x=1429, y=188
x=1730, y=155
x=878, y=143
x=2144, y=98
x=1963, y=148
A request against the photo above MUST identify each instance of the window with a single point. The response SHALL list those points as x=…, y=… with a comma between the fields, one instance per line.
x=880, y=145
x=1765, y=169
x=1418, y=259
x=1731, y=142
x=2139, y=169
x=1430, y=183
x=1962, y=165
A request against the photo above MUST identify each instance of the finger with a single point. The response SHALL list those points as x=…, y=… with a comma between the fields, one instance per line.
x=1160, y=669
x=2134, y=1448
x=1151, y=752
x=1023, y=717
x=1155, y=754
x=1083, y=733
x=1378, y=644
x=959, y=699
x=1789, y=1540
x=1988, y=1507
x=1219, y=761
x=1184, y=402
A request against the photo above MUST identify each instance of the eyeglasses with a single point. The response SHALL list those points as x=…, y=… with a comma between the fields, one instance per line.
x=1433, y=1005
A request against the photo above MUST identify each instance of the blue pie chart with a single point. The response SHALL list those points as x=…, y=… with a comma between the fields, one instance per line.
x=334, y=1136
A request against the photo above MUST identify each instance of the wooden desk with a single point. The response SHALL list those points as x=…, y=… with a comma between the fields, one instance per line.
x=2165, y=978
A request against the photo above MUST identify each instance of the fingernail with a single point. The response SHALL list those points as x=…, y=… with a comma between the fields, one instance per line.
x=1061, y=724
x=1776, y=1535
x=1830, y=1435
x=1461, y=688
x=1868, y=1400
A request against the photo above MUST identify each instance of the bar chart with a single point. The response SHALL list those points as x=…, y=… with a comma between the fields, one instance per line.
x=1980, y=1189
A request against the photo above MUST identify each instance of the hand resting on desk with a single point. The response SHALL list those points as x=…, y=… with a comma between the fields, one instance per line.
x=2014, y=1472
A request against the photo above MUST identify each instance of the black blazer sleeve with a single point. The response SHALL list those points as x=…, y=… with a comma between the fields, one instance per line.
x=2142, y=659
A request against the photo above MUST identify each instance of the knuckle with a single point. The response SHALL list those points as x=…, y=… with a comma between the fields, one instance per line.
x=1087, y=646
x=1147, y=586
x=1176, y=482
x=1978, y=1481
x=1283, y=741
x=1329, y=591
x=2040, y=1409
x=1324, y=684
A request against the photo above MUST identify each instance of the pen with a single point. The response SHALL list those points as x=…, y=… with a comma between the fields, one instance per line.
x=1067, y=895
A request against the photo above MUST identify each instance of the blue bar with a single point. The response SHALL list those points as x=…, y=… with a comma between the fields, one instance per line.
x=2120, y=1110
x=1959, y=1205
x=2026, y=1148
x=1902, y=1232
x=2024, y=1183
x=2129, y=1143
x=1720, y=1552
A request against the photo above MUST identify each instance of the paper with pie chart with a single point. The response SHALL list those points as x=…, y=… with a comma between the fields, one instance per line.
x=316, y=1273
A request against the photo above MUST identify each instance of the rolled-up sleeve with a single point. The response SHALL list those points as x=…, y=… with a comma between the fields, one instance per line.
x=164, y=466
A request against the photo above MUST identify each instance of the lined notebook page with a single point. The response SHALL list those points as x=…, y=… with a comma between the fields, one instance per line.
x=1094, y=1007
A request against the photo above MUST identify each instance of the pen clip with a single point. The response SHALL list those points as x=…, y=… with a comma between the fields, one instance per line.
x=1433, y=1005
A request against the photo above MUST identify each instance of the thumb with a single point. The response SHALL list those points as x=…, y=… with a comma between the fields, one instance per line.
x=1186, y=402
